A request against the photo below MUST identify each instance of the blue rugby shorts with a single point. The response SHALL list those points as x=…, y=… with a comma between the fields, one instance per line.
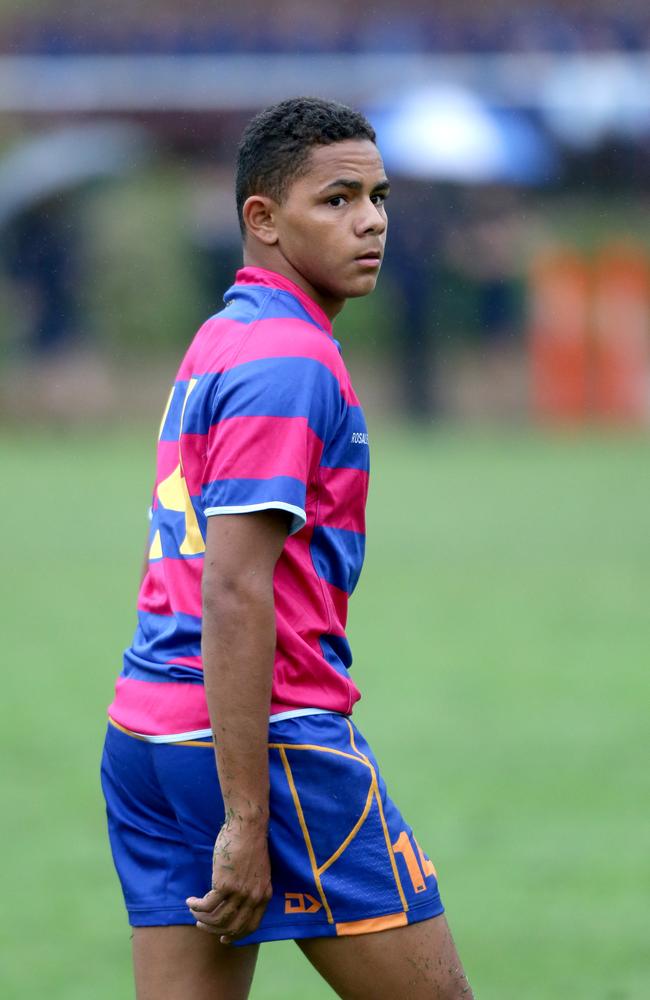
x=343, y=860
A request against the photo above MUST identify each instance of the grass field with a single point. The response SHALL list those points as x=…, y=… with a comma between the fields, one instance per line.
x=501, y=638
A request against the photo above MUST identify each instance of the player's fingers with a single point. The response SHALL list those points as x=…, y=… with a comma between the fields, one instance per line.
x=224, y=918
x=258, y=913
x=207, y=903
x=216, y=922
x=206, y=927
x=239, y=923
x=248, y=922
x=232, y=916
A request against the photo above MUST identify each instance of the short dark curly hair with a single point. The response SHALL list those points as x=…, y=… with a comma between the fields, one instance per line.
x=274, y=149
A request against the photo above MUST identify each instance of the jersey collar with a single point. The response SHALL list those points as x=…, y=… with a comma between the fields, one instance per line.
x=270, y=279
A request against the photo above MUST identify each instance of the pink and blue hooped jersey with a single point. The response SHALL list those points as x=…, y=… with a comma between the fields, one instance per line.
x=262, y=415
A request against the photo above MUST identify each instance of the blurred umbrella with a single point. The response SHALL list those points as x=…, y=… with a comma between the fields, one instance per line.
x=449, y=134
x=56, y=162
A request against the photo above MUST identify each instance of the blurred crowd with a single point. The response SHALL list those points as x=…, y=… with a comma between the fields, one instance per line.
x=457, y=275
x=449, y=26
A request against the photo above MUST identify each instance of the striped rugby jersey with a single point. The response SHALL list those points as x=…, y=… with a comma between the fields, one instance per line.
x=262, y=415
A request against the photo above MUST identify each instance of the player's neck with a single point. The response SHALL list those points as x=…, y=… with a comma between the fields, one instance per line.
x=274, y=261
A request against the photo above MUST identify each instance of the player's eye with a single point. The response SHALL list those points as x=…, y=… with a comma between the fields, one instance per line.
x=379, y=198
x=336, y=200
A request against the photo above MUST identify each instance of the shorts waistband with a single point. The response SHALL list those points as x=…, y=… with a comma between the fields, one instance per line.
x=207, y=734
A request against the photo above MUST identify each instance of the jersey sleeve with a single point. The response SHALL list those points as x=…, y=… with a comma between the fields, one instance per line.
x=271, y=419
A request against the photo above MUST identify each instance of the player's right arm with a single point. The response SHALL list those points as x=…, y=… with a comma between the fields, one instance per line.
x=238, y=648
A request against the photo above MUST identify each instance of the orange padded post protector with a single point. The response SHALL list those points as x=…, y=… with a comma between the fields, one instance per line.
x=558, y=337
x=621, y=327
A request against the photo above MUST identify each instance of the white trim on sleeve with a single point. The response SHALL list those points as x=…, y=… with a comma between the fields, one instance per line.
x=299, y=519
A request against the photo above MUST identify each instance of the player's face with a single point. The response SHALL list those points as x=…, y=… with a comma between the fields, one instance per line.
x=331, y=226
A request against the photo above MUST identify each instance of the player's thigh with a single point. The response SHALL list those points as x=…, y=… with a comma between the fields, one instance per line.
x=176, y=963
x=417, y=962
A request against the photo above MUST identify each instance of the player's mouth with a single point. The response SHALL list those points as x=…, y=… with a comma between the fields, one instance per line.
x=369, y=259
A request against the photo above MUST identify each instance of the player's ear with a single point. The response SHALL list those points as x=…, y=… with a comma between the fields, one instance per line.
x=259, y=218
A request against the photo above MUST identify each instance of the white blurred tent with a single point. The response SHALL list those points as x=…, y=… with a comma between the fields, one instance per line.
x=449, y=134
x=61, y=160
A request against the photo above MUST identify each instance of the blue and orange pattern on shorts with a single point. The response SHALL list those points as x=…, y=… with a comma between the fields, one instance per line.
x=343, y=859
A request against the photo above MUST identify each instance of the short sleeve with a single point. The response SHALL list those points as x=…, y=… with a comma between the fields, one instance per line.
x=271, y=419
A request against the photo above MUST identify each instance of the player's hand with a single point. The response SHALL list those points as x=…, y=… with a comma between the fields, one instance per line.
x=241, y=881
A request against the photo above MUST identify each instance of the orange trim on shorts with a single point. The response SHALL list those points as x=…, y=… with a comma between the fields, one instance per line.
x=372, y=925
x=384, y=824
x=190, y=743
x=123, y=729
x=312, y=746
x=305, y=833
x=353, y=832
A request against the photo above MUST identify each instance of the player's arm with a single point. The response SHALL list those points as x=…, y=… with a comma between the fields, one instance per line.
x=238, y=648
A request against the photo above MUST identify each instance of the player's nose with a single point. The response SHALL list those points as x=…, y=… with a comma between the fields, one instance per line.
x=372, y=219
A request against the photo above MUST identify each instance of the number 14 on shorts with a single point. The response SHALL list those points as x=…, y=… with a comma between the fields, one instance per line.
x=418, y=870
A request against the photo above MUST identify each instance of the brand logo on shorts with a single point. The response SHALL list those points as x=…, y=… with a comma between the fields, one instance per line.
x=359, y=438
x=300, y=902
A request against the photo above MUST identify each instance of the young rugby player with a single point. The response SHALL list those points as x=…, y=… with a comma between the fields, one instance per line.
x=256, y=542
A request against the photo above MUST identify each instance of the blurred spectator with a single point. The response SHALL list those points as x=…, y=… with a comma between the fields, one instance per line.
x=40, y=255
x=417, y=225
x=214, y=230
x=486, y=248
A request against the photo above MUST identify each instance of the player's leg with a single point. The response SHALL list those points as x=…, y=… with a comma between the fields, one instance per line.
x=368, y=871
x=176, y=963
x=164, y=811
x=416, y=962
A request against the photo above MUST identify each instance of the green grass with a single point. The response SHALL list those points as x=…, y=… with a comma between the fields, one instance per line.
x=501, y=639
